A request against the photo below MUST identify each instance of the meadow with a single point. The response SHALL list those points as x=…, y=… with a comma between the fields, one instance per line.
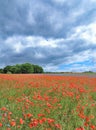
x=47, y=102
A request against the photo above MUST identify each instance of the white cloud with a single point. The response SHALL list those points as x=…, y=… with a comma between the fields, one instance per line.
x=59, y=1
x=20, y=42
x=39, y=55
x=30, y=18
x=56, y=20
x=88, y=33
x=50, y=52
x=81, y=57
x=14, y=43
x=51, y=68
x=50, y=33
x=73, y=68
x=18, y=47
x=80, y=68
x=85, y=32
x=93, y=1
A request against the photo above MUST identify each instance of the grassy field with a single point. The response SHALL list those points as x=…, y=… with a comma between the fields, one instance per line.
x=44, y=102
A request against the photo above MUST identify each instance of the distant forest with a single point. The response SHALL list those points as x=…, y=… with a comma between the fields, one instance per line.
x=22, y=69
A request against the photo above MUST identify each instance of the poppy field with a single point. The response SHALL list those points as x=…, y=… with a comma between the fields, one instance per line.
x=47, y=102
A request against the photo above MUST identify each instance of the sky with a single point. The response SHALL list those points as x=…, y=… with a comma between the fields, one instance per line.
x=59, y=35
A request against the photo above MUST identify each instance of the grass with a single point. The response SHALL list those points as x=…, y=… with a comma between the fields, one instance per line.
x=44, y=102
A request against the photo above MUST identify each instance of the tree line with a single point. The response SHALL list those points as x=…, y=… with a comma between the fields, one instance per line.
x=22, y=69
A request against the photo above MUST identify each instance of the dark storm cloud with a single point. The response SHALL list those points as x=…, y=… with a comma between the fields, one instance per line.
x=50, y=52
x=40, y=18
x=50, y=33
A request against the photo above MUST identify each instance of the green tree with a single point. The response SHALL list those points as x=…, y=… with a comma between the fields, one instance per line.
x=27, y=68
x=38, y=69
x=18, y=69
x=1, y=70
x=22, y=68
x=7, y=69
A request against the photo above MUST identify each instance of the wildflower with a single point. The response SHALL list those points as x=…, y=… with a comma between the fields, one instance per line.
x=33, y=124
x=44, y=119
x=48, y=104
x=80, y=128
x=8, y=129
x=86, y=124
x=40, y=115
x=50, y=120
x=1, y=125
x=92, y=127
x=10, y=113
x=3, y=108
x=29, y=115
x=13, y=123
x=21, y=121
x=87, y=119
x=58, y=126
x=18, y=126
x=41, y=121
